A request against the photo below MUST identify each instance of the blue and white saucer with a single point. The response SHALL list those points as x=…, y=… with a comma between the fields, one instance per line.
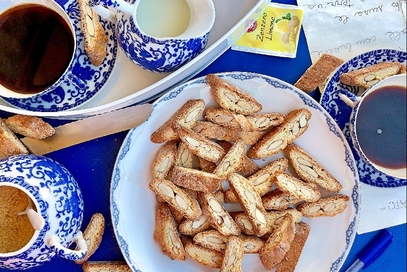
x=67, y=96
x=340, y=112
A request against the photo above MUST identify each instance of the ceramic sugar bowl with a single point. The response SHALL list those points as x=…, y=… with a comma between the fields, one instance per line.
x=160, y=36
x=51, y=221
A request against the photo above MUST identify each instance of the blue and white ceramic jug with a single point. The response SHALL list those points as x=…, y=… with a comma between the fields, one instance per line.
x=58, y=201
x=159, y=35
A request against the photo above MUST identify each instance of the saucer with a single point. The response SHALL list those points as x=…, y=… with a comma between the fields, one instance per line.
x=67, y=96
x=340, y=112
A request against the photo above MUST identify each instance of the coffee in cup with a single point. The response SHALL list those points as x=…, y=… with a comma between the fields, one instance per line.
x=378, y=126
x=37, y=46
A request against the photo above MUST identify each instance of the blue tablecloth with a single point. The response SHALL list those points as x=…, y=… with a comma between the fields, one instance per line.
x=92, y=162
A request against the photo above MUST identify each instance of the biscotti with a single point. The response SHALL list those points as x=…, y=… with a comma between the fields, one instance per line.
x=211, y=239
x=232, y=160
x=370, y=75
x=166, y=233
x=196, y=180
x=185, y=116
x=94, y=35
x=318, y=72
x=202, y=255
x=289, y=184
x=292, y=256
x=200, y=145
x=93, y=235
x=220, y=217
x=295, y=124
x=231, y=97
x=164, y=160
x=233, y=257
x=111, y=266
x=328, y=206
x=9, y=143
x=250, y=201
x=278, y=244
x=311, y=170
x=176, y=197
x=29, y=126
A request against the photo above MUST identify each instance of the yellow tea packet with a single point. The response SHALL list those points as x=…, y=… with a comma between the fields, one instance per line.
x=275, y=32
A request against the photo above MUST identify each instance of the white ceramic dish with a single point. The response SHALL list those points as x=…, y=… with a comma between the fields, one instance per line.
x=340, y=112
x=133, y=204
x=130, y=84
x=68, y=96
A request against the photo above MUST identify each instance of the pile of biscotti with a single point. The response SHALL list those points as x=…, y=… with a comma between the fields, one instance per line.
x=207, y=160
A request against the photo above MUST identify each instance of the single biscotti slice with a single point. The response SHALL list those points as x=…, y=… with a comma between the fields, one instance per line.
x=289, y=184
x=196, y=180
x=234, y=252
x=211, y=239
x=166, y=234
x=93, y=235
x=193, y=227
x=295, y=124
x=328, y=206
x=292, y=256
x=370, y=75
x=318, y=72
x=29, y=126
x=94, y=35
x=250, y=201
x=222, y=117
x=176, y=197
x=220, y=217
x=201, y=145
x=111, y=266
x=279, y=242
x=186, y=116
x=263, y=121
x=164, y=160
x=202, y=255
x=230, y=97
x=278, y=200
x=9, y=143
x=232, y=160
x=310, y=169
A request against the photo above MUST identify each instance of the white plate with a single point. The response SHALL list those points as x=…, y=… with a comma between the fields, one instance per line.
x=68, y=96
x=133, y=204
x=130, y=84
x=340, y=112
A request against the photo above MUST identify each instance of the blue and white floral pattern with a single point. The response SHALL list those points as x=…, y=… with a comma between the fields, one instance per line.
x=341, y=113
x=59, y=201
x=68, y=96
x=156, y=55
x=138, y=142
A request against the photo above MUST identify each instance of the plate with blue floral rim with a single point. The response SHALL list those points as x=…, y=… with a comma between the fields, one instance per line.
x=67, y=96
x=340, y=112
x=133, y=204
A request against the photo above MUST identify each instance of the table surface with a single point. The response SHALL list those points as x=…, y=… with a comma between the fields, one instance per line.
x=91, y=164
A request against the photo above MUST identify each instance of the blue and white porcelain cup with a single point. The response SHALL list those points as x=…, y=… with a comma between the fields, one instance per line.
x=56, y=199
x=377, y=125
x=45, y=65
x=159, y=35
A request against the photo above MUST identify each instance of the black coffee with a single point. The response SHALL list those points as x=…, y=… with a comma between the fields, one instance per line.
x=381, y=126
x=36, y=46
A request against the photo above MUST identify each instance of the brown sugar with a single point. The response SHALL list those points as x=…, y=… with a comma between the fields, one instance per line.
x=15, y=230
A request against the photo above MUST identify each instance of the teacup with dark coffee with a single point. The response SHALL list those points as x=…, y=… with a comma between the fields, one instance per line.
x=37, y=47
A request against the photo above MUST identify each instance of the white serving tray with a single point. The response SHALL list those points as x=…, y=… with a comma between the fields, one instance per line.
x=130, y=84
